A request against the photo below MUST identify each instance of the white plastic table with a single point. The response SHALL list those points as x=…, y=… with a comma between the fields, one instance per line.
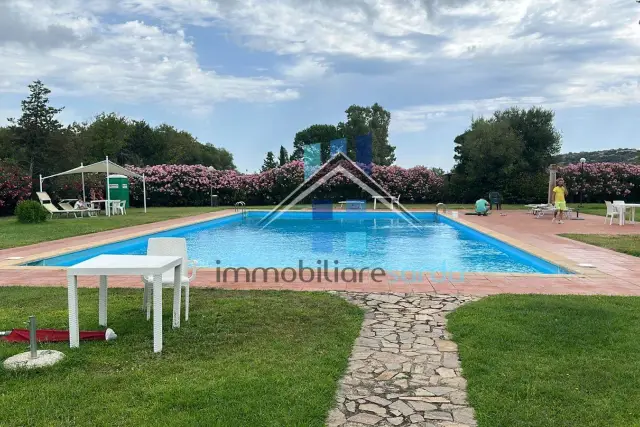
x=375, y=200
x=108, y=209
x=124, y=265
x=362, y=205
x=622, y=209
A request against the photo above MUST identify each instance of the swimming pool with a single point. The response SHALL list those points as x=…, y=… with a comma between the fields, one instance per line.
x=349, y=239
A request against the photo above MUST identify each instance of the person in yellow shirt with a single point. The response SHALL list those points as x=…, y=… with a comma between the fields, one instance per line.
x=557, y=198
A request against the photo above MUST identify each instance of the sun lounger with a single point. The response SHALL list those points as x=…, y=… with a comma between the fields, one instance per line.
x=541, y=210
x=45, y=201
x=67, y=207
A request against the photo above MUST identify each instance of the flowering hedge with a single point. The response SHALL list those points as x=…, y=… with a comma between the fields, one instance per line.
x=175, y=185
x=603, y=181
x=15, y=186
x=181, y=185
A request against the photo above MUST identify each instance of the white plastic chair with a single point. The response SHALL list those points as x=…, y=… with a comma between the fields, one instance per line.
x=119, y=207
x=612, y=210
x=395, y=200
x=620, y=205
x=169, y=246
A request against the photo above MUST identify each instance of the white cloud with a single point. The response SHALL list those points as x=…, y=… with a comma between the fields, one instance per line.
x=417, y=118
x=363, y=29
x=596, y=85
x=546, y=40
x=129, y=62
x=556, y=52
x=306, y=68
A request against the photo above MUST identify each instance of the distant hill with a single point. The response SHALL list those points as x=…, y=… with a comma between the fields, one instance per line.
x=618, y=155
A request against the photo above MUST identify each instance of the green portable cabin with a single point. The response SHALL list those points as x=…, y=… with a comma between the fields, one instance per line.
x=119, y=188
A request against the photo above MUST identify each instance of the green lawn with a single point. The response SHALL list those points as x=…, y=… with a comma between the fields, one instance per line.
x=590, y=208
x=13, y=233
x=243, y=359
x=625, y=243
x=539, y=360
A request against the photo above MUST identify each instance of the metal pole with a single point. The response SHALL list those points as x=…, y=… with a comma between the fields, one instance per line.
x=582, y=183
x=144, y=193
x=41, y=183
x=33, y=343
x=84, y=196
x=108, y=206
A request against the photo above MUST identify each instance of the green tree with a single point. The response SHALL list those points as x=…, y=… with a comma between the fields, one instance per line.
x=35, y=129
x=504, y=153
x=70, y=147
x=283, y=158
x=538, y=134
x=488, y=154
x=375, y=120
x=314, y=134
x=7, y=144
x=182, y=147
x=496, y=150
x=143, y=146
x=438, y=171
x=219, y=158
x=458, y=142
x=38, y=142
x=269, y=162
x=108, y=134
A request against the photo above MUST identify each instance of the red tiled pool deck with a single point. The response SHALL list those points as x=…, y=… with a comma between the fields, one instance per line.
x=613, y=273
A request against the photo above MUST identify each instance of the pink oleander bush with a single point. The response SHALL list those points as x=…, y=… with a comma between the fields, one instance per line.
x=15, y=186
x=178, y=185
x=183, y=185
x=603, y=181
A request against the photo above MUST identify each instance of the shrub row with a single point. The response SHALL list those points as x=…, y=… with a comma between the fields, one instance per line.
x=174, y=185
x=15, y=186
x=602, y=181
x=182, y=185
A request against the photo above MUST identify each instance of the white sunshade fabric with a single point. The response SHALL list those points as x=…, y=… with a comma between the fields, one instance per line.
x=103, y=166
x=106, y=167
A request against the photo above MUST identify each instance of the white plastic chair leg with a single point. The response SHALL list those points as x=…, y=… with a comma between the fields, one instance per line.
x=145, y=297
x=186, y=303
x=102, y=304
x=149, y=300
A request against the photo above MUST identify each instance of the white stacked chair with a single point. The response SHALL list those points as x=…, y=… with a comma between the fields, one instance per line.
x=612, y=211
x=169, y=246
x=119, y=207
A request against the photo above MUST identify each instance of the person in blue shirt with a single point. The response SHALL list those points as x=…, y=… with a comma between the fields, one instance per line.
x=482, y=207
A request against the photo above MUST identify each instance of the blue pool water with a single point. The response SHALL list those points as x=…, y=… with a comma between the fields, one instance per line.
x=354, y=239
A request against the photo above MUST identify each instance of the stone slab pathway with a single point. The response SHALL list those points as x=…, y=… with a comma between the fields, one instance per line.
x=404, y=370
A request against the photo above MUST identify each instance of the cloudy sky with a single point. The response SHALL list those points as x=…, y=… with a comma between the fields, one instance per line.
x=247, y=74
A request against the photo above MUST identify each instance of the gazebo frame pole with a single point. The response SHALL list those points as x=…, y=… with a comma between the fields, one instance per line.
x=144, y=193
x=553, y=168
x=84, y=196
x=108, y=207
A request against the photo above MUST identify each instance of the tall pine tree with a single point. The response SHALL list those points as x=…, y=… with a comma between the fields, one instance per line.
x=269, y=162
x=283, y=159
x=36, y=127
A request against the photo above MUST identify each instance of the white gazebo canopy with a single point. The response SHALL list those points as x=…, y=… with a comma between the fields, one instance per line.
x=107, y=167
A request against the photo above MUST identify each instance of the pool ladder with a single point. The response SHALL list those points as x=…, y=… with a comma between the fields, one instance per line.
x=438, y=206
x=241, y=207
